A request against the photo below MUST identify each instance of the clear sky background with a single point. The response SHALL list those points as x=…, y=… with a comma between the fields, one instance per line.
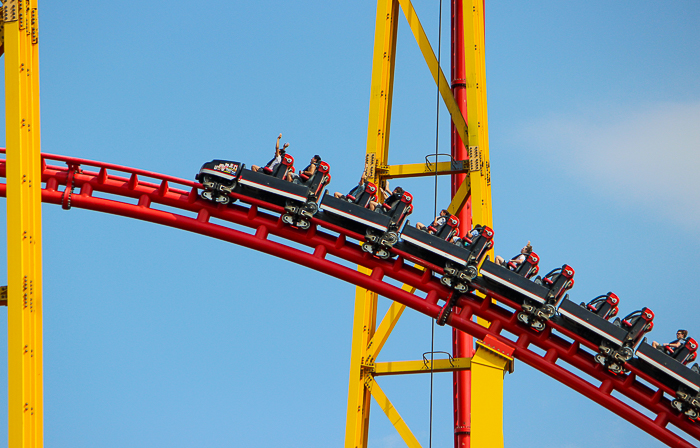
x=157, y=337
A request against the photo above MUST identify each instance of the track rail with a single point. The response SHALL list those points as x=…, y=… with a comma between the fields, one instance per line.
x=141, y=191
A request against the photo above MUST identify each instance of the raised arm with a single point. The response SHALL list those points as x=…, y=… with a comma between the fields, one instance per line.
x=277, y=145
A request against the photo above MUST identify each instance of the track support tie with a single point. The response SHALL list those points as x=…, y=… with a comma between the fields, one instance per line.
x=164, y=188
x=133, y=181
x=70, y=184
x=102, y=176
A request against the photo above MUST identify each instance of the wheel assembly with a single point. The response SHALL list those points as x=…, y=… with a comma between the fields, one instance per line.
x=538, y=325
x=382, y=253
x=391, y=238
x=461, y=287
x=288, y=219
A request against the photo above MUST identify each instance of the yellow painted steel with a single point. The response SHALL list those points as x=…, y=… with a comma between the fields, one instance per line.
x=460, y=197
x=477, y=112
x=382, y=86
x=366, y=343
x=24, y=276
x=391, y=413
x=435, y=70
x=488, y=368
x=357, y=419
x=385, y=328
x=423, y=169
x=421, y=366
x=378, y=130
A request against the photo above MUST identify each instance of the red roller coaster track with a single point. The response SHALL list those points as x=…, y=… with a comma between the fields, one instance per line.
x=145, y=188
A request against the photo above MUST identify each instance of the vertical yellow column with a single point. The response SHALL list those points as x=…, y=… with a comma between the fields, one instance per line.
x=489, y=364
x=364, y=324
x=477, y=112
x=24, y=276
x=365, y=317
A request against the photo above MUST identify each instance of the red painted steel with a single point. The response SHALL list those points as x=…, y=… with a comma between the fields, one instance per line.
x=462, y=343
x=129, y=184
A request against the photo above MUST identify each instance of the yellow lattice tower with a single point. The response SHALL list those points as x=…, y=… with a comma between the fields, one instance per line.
x=488, y=365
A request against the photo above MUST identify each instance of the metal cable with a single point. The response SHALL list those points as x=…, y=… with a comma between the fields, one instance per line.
x=437, y=141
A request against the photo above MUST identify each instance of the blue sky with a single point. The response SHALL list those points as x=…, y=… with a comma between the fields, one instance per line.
x=156, y=337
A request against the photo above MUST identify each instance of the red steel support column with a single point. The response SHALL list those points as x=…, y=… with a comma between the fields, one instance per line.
x=462, y=343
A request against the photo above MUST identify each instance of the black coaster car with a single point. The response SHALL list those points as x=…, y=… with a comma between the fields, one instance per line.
x=539, y=299
x=615, y=340
x=460, y=262
x=380, y=228
x=672, y=371
x=298, y=199
x=219, y=178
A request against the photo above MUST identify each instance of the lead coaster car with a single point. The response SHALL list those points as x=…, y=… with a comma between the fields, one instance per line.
x=380, y=230
x=538, y=300
x=299, y=200
x=672, y=371
x=616, y=340
x=219, y=178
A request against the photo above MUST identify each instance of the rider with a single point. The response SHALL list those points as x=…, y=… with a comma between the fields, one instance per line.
x=437, y=222
x=308, y=171
x=669, y=348
x=391, y=198
x=272, y=164
x=518, y=259
x=355, y=190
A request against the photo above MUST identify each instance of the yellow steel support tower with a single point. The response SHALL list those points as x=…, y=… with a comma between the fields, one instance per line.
x=24, y=277
x=488, y=365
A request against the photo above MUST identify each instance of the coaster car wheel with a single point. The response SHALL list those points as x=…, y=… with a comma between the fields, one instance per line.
x=615, y=368
x=524, y=318
x=382, y=253
x=223, y=199
x=691, y=413
x=227, y=188
x=538, y=325
x=625, y=354
x=461, y=287
x=447, y=281
x=206, y=195
x=548, y=311
x=288, y=219
x=391, y=238
x=304, y=224
x=367, y=248
x=371, y=237
x=309, y=209
x=206, y=181
x=600, y=359
x=449, y=270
